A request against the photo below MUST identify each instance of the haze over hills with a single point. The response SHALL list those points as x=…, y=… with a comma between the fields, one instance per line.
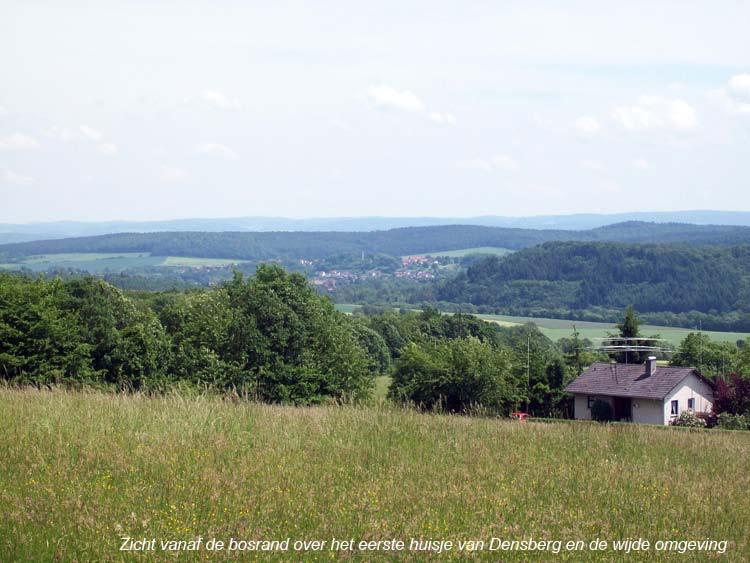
x=15, y=232
x=394, y=242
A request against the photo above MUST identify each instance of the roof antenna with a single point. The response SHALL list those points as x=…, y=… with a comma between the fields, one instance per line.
x=613, y=369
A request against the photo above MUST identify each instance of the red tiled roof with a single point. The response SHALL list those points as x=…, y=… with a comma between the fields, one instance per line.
x=629, y=380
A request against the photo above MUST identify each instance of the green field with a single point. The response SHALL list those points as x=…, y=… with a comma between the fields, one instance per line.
x=112, y=262
x=559, y=328
x=79, y=471
x=497, y=251
x=190, y=262
x=555, y=329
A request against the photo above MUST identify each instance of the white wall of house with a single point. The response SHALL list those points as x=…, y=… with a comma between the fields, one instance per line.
x=648, y=411
x=581, y=410
x=644, y=411
x=692, y=387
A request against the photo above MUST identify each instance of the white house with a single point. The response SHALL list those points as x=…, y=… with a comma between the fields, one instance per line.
x=644, y=393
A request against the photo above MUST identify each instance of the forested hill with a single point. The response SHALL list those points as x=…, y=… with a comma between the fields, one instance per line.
x=279, y=245
x=567, y=276
x=411, y=240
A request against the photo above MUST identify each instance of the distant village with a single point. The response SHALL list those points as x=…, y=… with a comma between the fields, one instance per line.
x=416, y=268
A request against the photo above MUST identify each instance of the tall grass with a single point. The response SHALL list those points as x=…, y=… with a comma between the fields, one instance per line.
x=79, y=470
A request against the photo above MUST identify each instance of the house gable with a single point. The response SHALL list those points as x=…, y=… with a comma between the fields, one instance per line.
x=651, y=396
x=693, y=387
x=632, y=381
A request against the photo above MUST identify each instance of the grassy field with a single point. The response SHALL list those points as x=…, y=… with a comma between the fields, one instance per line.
x=559, y=328
x=497, y=251
x=191, y=262
x=79, y=471
x=97, y=263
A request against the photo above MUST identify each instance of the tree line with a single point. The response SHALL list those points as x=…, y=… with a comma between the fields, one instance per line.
x=273, y=338
x=394, y=242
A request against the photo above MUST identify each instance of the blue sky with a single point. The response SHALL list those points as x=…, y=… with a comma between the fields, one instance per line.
x=149, y=110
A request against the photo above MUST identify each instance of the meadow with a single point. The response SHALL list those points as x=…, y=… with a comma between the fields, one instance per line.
x=81, y=470
x=560, y=328
x=111, y=262
x=460, y=253
x=554, y=329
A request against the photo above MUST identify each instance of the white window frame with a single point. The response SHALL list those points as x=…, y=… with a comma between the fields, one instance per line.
x=674, y=407
x=691, y=404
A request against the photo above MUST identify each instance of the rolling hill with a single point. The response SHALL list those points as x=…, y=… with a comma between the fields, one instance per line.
x=395, y=242
x=18, y=232
x=571, y=276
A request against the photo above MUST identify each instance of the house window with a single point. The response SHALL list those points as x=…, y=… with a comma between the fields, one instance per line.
x=691, y=404
x=590, y=401
x=675, y=408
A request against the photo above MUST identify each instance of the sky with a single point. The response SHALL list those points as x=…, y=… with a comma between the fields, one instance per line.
x=157, y=110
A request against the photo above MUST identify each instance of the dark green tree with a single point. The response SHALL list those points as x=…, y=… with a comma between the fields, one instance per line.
x=458, y=375
x=711, y=358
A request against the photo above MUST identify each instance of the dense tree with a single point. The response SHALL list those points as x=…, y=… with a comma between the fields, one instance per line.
x=378, y=354
x=457, y=375
x=39, y=342
x=709, y=357
x=127, y=346
x=628, y=331
x=578, y=352
x=565, y=278
x=270, y=335
x=732, y=395
x=273, y=336
x=393, y=242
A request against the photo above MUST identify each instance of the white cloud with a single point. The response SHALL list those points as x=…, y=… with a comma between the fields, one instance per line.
x=442, y=118
x=90, y=133
x=173, y=174
x=476, y=164
x=501, y=162
x=18, y=141
x=739, y=87
x=107, y=148
x=62, y=134
x=220, y=100
x=735, y=97
x=389, y=97
x=505, y=162
x=218, y=150
x=587, y=126
x=3, y=111
x=84, y=133
x=641, y=164
x=654, y=112
x=610, y=186
x=10, y=177
x=593, y=165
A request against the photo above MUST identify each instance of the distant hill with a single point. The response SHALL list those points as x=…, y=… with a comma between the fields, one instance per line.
x=581, y=221
x=570, y=276
x=395, y=242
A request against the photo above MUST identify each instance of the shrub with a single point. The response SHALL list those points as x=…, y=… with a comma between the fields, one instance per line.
x=460, y=375
x=732, y=394
x=601, y=411
x=689, y=420
x=730, y=421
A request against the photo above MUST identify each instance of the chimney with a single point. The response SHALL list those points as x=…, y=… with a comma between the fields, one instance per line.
x=650, y=366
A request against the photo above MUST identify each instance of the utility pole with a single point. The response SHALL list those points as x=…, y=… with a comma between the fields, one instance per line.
x=528, y=371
